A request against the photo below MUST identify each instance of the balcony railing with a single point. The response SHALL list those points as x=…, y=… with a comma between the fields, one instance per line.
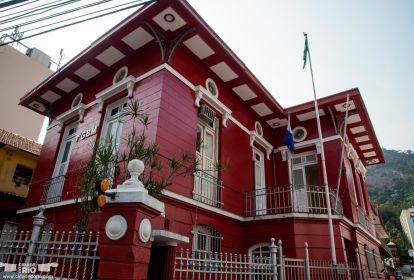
x=288, y=199
x=208, y=189
x=361, y=217
x=369, y=223
x=52, y=190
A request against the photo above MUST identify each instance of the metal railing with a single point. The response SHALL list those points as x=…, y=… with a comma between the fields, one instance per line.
x=215, y=265
x=208, y=189
x=46, y=255
x=52, y=190
x=369, y=223
x=361, y=217
x=288, y=199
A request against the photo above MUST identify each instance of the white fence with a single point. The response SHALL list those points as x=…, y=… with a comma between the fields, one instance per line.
x=223, y=266
x=46, y=255
x=289, y=198
x=208, y=189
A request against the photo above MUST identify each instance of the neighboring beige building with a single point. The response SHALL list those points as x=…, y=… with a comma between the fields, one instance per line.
x=407, y=224
x=18, y=75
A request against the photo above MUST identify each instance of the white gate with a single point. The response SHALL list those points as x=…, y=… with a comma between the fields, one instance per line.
x=46, y=255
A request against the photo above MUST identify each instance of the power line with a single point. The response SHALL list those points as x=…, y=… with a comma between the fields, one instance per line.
x=81, y=16
x=56, y=15
x=29, y=8
x=10, y=4
x=29, y=14
x=60, y=27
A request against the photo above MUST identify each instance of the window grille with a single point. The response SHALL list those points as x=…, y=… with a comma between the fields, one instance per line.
x=23, y=175
x=206, y=239
x=370, y=261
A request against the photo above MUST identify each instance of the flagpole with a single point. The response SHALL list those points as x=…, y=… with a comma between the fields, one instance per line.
x=325, y=178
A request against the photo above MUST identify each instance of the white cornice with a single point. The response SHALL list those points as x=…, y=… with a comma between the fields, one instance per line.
x=127, y=83
x=313, y=142
x=202, y=93
x=78, y=110
x=261, y=141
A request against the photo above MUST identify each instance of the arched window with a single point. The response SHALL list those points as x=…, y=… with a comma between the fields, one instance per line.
x=206, y=239
x=378, y=263
x=370, y=261
x=260, y=250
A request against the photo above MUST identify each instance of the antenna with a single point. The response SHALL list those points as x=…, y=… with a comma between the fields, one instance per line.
x=61, y=57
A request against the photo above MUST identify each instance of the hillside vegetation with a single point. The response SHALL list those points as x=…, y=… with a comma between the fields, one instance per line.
x=397, y=195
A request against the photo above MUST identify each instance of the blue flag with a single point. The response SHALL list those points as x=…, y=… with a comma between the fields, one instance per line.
x=289, y=137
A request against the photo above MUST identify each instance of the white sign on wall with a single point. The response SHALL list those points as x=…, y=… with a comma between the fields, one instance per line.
x=86, y=134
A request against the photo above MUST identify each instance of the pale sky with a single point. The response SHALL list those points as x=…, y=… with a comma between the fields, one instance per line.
x=364, y=44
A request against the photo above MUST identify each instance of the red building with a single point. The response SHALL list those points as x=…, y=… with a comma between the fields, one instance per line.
x=254, y=200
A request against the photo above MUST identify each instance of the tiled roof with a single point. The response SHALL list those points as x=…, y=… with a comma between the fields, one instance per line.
x=19, y=142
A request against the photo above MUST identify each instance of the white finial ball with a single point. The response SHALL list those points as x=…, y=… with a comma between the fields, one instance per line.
x=136, y=166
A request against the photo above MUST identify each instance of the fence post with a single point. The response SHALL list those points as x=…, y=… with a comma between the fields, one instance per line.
x=281, y=262
x=307, y=269
x=39, y=221
x=273, y=251
x=359, y=264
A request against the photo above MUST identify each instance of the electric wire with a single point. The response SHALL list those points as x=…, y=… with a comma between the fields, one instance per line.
x=26, y=3
x=56, y=15
x=29, y=14
x=29, y=8
x=60, y=27
x=81, y=16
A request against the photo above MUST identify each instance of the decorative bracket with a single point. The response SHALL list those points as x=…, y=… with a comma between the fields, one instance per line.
x=367, y=161
x=283, y=153
x=50, y=109
x=162, y=41
x=341, y=118
x=100, y=103
x=78, y=110
x=318, y=148
x=202, y=93
x=262, y=142
x=175, y=42
x=333, y=119
x=130, y=88
x=225, y=117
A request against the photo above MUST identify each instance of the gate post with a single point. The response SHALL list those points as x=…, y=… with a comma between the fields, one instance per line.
x=273, y=251
x=39, y=221
x=359, y=264
x=281, y=262
x=307, y=269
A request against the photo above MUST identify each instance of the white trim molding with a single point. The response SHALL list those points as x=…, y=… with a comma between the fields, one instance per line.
x=78, y=110
x=351, y=153
x=127, y=83
x=254, y=136
x=202, y=93
x=314, y=142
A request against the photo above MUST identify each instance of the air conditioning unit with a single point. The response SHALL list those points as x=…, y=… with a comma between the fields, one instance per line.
x=39, y=56
x=206, y=114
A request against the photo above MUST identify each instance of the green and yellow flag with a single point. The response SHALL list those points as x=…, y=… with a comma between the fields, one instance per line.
x=305, y=52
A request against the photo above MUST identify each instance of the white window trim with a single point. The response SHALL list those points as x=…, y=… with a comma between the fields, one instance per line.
x=305, y=144
x=106, y=118
x=61, y=148
x=262, y=163
x=254, y=137
x=127, y=83
x=202, y=93
x=290, y=165
x=78, y=110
